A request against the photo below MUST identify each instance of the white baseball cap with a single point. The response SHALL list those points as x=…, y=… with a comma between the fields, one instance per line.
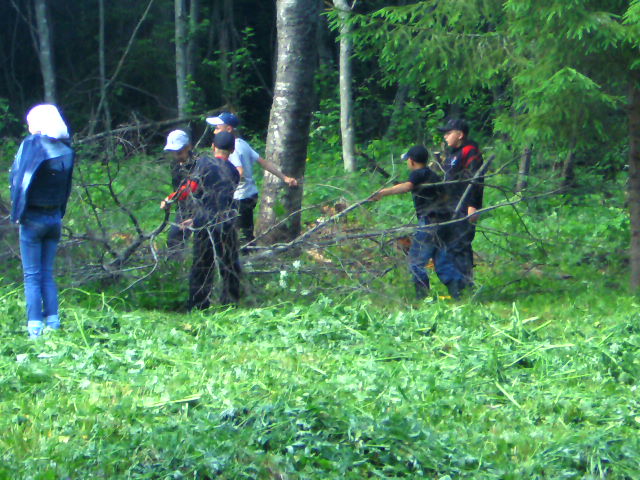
x=177, y=140
x=46, y=120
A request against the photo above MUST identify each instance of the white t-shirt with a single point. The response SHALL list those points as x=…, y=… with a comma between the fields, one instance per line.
x=244, y=156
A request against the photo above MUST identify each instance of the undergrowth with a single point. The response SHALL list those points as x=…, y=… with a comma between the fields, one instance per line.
x=328, y=389
x=338, y=372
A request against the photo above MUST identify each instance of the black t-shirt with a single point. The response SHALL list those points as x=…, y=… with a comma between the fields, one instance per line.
x=427, y=198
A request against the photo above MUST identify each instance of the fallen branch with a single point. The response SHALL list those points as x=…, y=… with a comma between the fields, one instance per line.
x=142, y=126
x=122, y=258
x=373, y=165
x=406, y=229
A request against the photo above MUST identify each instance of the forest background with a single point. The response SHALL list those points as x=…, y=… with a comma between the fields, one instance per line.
x=329, y=368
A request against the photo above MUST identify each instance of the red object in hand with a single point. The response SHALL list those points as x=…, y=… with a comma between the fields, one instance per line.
x=184, y=191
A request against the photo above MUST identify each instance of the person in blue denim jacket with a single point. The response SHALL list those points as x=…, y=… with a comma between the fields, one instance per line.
x=40, y=182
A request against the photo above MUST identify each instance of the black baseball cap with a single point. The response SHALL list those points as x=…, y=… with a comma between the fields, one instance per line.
x=224, y=141
x=455, y=124
x=418, y=154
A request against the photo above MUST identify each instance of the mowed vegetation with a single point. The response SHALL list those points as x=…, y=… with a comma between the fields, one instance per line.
x=327, y=376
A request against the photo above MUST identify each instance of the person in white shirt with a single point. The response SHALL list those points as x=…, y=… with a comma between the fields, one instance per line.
x=244, y=158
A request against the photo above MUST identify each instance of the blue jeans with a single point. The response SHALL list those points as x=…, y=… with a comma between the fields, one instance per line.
x=40, y=232
x=428, y=244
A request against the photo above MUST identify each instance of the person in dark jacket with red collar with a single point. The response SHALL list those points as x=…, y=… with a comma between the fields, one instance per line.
x=465, y=193
x=40, y=182
x=179, y=144
x=208, y=192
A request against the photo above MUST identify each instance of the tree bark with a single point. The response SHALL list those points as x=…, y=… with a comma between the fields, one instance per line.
x=45, y=51
x=324, y=41
x=568, y=175
x=524, y=170
x=181, y=29
x=104, y=101
x=290, y=117
x=192, y=42
x=398, y=108
x=634, y=179
x=226, y=46
x=346, y=87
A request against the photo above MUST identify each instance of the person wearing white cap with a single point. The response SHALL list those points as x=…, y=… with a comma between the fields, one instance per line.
x=244, y=158
x=40, y=182
x=179, y=144
x=208, y=192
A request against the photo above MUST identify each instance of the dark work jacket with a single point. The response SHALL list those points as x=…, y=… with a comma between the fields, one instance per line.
x=460, y=166
x=34, y=152
x=212, y=202
x=180, y=171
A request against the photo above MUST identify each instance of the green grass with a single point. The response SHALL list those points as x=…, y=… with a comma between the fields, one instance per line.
x=336, y=372
x=326, y=390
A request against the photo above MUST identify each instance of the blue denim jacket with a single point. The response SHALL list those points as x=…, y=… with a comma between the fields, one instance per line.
x=34, y=150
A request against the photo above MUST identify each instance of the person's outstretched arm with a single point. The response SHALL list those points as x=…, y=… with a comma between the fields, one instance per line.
x=395, y=190
x=271, y=168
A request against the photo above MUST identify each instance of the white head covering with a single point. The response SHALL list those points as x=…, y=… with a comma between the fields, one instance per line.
x=46, y=119
x=177, y=140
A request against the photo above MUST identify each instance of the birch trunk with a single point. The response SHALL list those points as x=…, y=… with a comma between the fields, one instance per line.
x=192, y=42
x=346, y=87
x=45, y=51
x=288, y=132
x=181, y=28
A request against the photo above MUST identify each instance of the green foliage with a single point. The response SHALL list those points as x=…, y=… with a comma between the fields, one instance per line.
x=238, y=65
x=8, y=121
x=336, y=372
x=332, y=389
x=430, y=44
x=324, y=131
x=563, y=53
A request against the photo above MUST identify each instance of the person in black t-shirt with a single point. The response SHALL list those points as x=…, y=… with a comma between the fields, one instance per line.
x=428, y=243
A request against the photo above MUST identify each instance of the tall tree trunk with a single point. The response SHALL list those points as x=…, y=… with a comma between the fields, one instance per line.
x=226, y=46
x=346, y=88
x=181, y=29
x=325, y=53
x=524, y=170
x=104, y=101
x=634, y=179
x=568, y=175
x=398, y=107
x=192, y=43
x=288, y=133
x=45, y=51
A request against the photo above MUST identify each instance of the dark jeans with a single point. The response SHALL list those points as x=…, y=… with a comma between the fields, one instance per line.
x=211, y=247
x=246, y=206
x=428, y=244
x=460, y=247
x=177, y=237
x=39, y=236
